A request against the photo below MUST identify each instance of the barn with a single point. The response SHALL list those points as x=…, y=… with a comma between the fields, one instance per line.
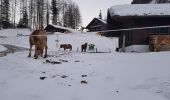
x=96, y=25
x=136, y=23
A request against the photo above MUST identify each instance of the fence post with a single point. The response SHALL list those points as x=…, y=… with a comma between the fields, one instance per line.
x=12, y=50
x=96, y=50
x=109, y=50
x=77, y=49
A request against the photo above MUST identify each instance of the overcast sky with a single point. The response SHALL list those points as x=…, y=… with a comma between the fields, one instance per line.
x=91, y=8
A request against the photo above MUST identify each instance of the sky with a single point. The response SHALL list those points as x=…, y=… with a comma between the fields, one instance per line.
x=91, y=8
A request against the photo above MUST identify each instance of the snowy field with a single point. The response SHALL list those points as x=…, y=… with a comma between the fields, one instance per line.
x=82, y=76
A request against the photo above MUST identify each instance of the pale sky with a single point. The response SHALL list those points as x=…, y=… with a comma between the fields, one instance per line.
x=91, y=8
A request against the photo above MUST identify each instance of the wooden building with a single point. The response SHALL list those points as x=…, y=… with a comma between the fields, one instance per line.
x=96, y=25
x=55, y=28
x=138, y=22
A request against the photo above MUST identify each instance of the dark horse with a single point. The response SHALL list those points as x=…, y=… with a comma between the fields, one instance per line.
x=66, y=46
x=84, y=47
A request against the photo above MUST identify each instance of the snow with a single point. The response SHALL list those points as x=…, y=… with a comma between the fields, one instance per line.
x=140, y=10
x=153, y=2
x=137, y=48
x=83, y=76
x=65, y=28
x=102, y=20
x=2, y=48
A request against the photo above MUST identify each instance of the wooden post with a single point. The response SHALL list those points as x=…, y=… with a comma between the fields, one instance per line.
x=77, y=49
x=109, y=50
x=123, y=44
x=13, y=51
x=96, y=50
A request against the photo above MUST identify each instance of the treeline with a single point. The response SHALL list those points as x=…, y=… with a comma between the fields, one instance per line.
x=38, y=13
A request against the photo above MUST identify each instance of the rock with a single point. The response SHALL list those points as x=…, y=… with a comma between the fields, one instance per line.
x=83, y=75
x=64, y=76
x=42, y=78
x=84, y=82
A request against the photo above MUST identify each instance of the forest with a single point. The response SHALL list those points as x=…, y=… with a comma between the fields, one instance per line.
x=37, y=14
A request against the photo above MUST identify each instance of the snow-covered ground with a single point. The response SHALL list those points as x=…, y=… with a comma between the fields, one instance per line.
x=2, y=48
x=82, y=76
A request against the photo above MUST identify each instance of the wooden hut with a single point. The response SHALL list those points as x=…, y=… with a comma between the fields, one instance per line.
x=135, y=23
x=55, y=28
x=96, y=25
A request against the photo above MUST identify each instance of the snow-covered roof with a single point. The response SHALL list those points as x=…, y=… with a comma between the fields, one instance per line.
x=102, y=20
x=64, y=28
x=140, y=10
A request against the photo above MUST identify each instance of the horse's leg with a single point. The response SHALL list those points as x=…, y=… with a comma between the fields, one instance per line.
x=71, y=49
x=41, y=51
x=158, y=48
x=81, y=48
x=45, y=56
x=29, y=55
x=36, y=52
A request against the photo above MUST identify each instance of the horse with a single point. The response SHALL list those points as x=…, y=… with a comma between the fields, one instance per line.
x=161, y=40
x=39, y=39
x=66, y=46
x=84, y=47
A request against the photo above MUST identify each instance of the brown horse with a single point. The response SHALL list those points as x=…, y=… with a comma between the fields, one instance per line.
x=160, y=40
x=66, y=46
x=84, y=47
x=39, y=39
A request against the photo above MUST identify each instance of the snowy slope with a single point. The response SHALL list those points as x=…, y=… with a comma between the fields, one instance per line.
x=75, y=39
x=84, y=76
x=2, y=48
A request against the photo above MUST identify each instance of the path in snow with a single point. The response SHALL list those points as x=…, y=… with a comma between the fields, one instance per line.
x=10, y=49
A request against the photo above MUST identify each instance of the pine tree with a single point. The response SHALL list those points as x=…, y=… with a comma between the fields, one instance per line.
x=23, y=22
x=55, y=12
x=5, y=13
x=77, y=17
x=15, y=12
x=31, y=11
x=100, y=15
x=0, y=14
x=40, y=14
x=47, y=13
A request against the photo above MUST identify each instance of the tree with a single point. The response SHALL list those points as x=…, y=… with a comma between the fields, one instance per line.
x=0, y=14
x=77, y=17
x=23, y=22
x=31, y=12
x=55, y=12
x=40, y=14
x=100, y=15
x=47, y=13
x=5, y=14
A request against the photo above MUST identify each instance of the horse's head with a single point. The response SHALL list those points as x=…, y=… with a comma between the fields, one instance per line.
x=62, y=45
